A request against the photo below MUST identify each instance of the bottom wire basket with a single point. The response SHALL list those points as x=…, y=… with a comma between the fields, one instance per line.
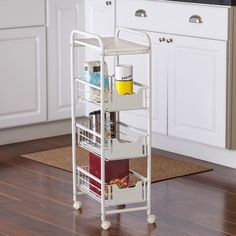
x=135, y=192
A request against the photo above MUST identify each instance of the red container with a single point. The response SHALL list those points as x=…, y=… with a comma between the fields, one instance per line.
x=113, y=170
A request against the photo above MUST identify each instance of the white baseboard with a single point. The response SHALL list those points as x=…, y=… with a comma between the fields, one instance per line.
x=31, y=132
x=195, y=150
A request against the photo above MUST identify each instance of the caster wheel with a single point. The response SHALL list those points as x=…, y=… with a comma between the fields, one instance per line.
x=106, y=225
x=77, y=205
x=151, y=219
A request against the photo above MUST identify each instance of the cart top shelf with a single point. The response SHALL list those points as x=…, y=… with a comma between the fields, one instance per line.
x=114, y=46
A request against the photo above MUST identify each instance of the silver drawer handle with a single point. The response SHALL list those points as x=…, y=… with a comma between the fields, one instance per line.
x=195, y=19
x=141, y=13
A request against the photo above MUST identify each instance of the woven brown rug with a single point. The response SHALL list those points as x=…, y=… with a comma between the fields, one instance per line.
x=163, y=168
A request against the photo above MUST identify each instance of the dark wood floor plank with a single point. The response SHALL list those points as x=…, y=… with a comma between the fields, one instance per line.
x=36, y=199
x=212, y=196
x=139, y=222
x=222, y=177
x=19, y=149
x=39, y=168
x=189, y=219
x=36, y=145
x=34, y=224
x=8, y=199
x=36, y=183
x=192, y=205
x=190, y=200
x=4, y=234
x=194, y=219
x=8, y=228
x=219, y=181
x=50, y=211
x=47, y=209
x=51, y=143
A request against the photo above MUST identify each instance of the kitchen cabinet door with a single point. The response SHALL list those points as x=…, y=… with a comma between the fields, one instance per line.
x=100, y=17
x=63, y=17
x=100, y=20
x=22, y=76
x=159, y=83
x=197, y=78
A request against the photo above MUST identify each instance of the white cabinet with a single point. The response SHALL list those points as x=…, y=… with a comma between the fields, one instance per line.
x=63, y=17
x=189, y=74
x=100, y=19
x=190, y=96
x=159, y=84
x=22, y=76
x=189, y=77
x=21, y=13
x=174, y=17
x=188, y=88
x=197, y=76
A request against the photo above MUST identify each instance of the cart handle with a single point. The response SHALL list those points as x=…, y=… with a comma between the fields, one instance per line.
x=119, y=29
x=86, y=34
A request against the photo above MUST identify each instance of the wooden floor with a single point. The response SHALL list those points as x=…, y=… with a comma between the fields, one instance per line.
x=35, y=199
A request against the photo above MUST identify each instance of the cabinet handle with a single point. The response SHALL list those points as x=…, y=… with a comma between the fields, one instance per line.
x=169, y=40
x=108, y=3
x=141, y=13
x=162, y=39
x=195, y=19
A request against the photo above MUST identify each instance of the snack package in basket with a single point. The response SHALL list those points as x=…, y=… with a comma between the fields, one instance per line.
x=116, y=172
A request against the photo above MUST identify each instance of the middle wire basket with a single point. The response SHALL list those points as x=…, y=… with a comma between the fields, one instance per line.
x=128, y=143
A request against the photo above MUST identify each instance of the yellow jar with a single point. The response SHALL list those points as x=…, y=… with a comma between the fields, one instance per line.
x=124, y=79
x=124, y=87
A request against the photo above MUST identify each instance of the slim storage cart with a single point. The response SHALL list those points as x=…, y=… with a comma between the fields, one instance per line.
x=137, y=143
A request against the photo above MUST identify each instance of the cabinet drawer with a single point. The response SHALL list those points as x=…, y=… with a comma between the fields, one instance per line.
x=21, y=13
x=174, y=18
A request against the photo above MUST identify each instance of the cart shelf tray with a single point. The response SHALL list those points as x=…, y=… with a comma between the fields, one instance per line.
x=113, y=100
x=118, y=150
x=130, y=143
x=114, y=46
x=113, y=194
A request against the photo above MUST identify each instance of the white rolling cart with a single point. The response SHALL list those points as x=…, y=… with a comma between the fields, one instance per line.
x=137, y=143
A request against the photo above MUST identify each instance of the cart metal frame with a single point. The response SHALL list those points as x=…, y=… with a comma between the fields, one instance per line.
x=98, y=43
